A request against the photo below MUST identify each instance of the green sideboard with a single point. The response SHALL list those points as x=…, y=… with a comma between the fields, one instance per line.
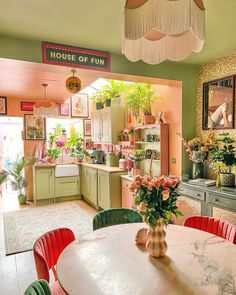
x=211, y=200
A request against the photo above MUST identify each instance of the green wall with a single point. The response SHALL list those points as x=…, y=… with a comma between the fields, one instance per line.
x=28, y=50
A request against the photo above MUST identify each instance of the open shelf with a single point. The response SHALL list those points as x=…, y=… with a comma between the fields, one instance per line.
x=148, y=126
x=152, y=160
x=144, y=142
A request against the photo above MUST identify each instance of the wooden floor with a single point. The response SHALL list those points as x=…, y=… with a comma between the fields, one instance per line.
x=18, y=271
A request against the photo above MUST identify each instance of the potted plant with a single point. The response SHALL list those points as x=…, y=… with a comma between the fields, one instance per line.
x=142, y=95
x=223, y=157
x=52, y=155
x=97, y=97
x=16, y=176
x=157, y=199
x=112, y=92
x=75, y=145
x=137, y=156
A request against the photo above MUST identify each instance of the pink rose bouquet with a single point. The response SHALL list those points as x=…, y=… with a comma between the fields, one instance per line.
x=158, y=195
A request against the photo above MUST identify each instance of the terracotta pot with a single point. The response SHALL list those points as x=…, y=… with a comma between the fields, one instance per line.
x=156, y=244
x=51, y=160
x=148, y=119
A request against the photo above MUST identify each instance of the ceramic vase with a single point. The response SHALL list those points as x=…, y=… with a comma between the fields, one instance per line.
x=156, y=244
x=198, y=170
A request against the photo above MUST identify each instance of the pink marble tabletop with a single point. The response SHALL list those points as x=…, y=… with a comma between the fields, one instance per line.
x=108, y=262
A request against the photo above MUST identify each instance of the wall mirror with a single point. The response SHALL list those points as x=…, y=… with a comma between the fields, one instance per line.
x=218, y=104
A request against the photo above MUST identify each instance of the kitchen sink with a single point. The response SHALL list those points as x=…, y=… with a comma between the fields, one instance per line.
x=66, y=170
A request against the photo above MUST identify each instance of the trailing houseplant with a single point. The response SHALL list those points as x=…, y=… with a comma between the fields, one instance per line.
x=223, y=158
x=137, y=157
x=157, y=197
x=16, y=176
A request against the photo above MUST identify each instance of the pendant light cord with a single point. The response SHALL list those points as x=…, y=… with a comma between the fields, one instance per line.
x=45, y=85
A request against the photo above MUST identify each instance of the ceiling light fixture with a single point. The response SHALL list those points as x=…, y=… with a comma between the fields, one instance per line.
x=157, y=30
x=45, y=108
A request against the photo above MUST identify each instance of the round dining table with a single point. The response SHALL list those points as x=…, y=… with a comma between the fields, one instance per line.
x=109, y=262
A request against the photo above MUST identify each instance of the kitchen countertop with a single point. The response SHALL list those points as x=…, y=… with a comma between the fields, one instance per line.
x=101, y=167
x=127, y=177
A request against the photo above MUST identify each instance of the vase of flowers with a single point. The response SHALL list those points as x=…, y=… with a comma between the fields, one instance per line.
x=198, y=150
x=157, y=198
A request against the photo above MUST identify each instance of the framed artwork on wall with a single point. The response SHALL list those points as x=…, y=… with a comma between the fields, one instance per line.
x=88, y=144
x=34, y=127
x=3, y=105
x=64, y=109
x=218, y=104
x=80, y=105
x=87, y=127
x=27, y=106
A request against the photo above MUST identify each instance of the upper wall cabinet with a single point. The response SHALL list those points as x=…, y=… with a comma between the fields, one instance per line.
x=107, y=123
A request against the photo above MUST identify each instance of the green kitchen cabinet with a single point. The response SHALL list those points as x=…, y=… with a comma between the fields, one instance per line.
x=67, y=186
x=104, y=190
x=44, y=187
x=89, y=185
x=109, y=189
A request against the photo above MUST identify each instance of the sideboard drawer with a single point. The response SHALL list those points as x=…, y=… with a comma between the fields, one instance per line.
x=196, y=194
x=221, y=202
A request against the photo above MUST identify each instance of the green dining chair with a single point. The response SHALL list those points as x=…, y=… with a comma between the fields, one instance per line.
x=115, y=216
x=39, y=287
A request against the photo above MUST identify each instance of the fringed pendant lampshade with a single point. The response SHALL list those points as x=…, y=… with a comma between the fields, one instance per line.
x=157, y=30
x=45, y=108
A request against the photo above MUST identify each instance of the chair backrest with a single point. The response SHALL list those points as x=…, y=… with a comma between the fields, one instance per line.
x=214, y=226
x=115, y=216
x=48, y=248
x=39, y=287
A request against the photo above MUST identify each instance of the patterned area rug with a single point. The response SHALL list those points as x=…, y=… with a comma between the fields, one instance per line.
x=23, y=227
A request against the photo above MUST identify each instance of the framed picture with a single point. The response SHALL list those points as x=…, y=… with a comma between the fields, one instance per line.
x=64, y=109
x=34, y=127
x=27, y=106
x=3, y=105
x=88, y=144
x=218, y=104
x=87, y=127
x=80, y=105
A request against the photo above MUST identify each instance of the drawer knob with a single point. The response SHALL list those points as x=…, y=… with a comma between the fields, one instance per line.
x=216, y=200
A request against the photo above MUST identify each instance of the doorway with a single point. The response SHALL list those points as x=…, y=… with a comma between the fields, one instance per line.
x=11, y=144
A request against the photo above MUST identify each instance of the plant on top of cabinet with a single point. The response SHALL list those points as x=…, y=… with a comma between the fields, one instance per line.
x=223, y=157
x=97, y=97
x=141, y=96
x=16, y=176
x=112, y=92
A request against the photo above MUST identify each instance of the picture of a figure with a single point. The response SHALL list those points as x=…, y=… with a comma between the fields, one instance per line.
x=218, y=104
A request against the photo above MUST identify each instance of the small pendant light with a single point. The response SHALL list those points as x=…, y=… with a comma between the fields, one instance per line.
x=46, y=108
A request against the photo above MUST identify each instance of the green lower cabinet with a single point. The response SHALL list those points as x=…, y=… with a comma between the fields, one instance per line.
x=44, y=187
x=89, y=185
x=67, y=186
x=104, y=190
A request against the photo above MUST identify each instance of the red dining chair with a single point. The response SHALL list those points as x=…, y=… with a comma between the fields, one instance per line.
x=214, y=226
x=47, y=250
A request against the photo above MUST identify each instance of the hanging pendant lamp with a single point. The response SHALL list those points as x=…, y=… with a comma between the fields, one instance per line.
x=157, y=30
x=73, y=83
x=45, y=108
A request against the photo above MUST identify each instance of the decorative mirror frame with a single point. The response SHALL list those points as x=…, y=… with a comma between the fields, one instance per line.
x=217, y=111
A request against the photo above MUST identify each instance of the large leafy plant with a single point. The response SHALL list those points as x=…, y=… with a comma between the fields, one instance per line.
x=157, y=197
x=113, y=90
x=16, y=174
x=223, y=155
x=75, y=145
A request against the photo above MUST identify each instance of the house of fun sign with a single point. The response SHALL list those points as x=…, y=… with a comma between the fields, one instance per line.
x=75, y=57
